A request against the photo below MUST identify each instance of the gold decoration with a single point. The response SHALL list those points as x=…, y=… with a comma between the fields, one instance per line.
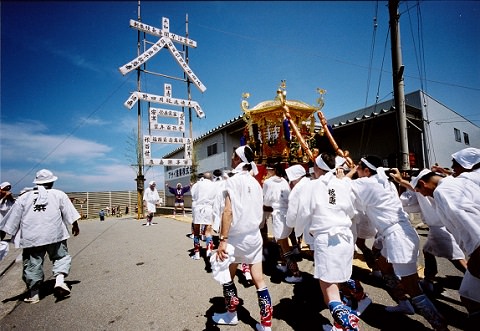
x=266, y=130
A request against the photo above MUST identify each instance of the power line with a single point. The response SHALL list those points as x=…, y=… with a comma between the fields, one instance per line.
x=73, y=131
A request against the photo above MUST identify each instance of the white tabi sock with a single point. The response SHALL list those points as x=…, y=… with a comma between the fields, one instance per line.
x=60, y=279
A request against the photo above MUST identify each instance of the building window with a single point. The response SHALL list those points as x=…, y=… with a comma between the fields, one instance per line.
x=458, y=137
x=466, y=139
x=212, y=149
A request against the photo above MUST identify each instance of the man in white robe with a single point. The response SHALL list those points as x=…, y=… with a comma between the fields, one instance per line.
x=151, y=198
x=240, y=228
x=276, y=191
x=378, y=198
x=203, y=196
x=43, y=216
x=457, y=202
x=440, y=242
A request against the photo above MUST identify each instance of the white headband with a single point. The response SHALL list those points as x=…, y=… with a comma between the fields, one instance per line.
x=321, y=164
x=240, y=151
x=368, y=164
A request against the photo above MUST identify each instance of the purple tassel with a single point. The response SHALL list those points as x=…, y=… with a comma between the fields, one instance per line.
x=286, y=129
x=243, y=141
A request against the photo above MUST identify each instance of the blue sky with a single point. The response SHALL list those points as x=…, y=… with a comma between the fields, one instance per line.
x=62, y=94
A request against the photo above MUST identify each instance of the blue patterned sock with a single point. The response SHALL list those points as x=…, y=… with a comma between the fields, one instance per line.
x=208, y=240
x=265, y=304
x=343, y=316
x=230, y=296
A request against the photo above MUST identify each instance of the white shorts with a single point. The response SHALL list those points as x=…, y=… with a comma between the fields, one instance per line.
x=248, y=247
x=441, y=243
x=279, y=224
x=267, y=216
x=404, y=269
x=469, y=287
x=333, y=256
x=202, y=215
x=401, y=246
x=364, y=228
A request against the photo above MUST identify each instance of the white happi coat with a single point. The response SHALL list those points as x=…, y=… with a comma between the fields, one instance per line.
x=331, y=205
x=298, y=216
x=203, y=194
x=275, y=194
x=331, y=209
x=457, y=202
x=474, y=176
x=247, y=209
x=43, y=224
x=440, y=242
x=152, y=198
x=218, y=204
x=383, y=207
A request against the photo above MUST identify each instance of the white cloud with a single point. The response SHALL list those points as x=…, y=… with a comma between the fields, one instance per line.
x=81, y=165
x=93, y=121
x=76, y=59
x=31, y=142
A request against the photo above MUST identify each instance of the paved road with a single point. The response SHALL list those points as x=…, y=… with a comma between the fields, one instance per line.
x=126, y=276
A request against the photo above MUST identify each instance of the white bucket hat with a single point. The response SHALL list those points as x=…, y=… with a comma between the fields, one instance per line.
x=4, y=184
x=44, y=176
x=295, y=172
x=467, y=157
x=152, y=183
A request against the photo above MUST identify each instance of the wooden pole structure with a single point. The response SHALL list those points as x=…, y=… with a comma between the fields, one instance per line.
x=398, y=83
x=140, y=178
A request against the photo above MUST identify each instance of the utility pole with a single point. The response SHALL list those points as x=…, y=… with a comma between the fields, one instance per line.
x=398, y=83
x=189, y=95
x=140, y=178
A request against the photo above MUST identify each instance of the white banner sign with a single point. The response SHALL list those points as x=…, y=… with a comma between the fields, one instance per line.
x=144, y=57
x=165, y=24
x=166, y=140
x=168, y=162
x=178, y=172
x=135, y=96
x=155, y=113
x=159, y=112
x=176, y=54
x=162, y=33
x=147, y=151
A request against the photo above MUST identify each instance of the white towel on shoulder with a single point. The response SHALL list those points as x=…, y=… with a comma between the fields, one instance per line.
x=3, y=249
x=220, y=269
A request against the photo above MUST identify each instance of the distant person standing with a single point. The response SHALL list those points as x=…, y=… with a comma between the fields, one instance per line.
x=151, y=198
x=102, y=215
x=43, y=215
x=179, y=192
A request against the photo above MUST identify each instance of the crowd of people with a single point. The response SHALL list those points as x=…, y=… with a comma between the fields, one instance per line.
x=333, y=209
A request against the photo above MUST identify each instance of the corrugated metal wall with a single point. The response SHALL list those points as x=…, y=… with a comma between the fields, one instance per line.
x=89, y=204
